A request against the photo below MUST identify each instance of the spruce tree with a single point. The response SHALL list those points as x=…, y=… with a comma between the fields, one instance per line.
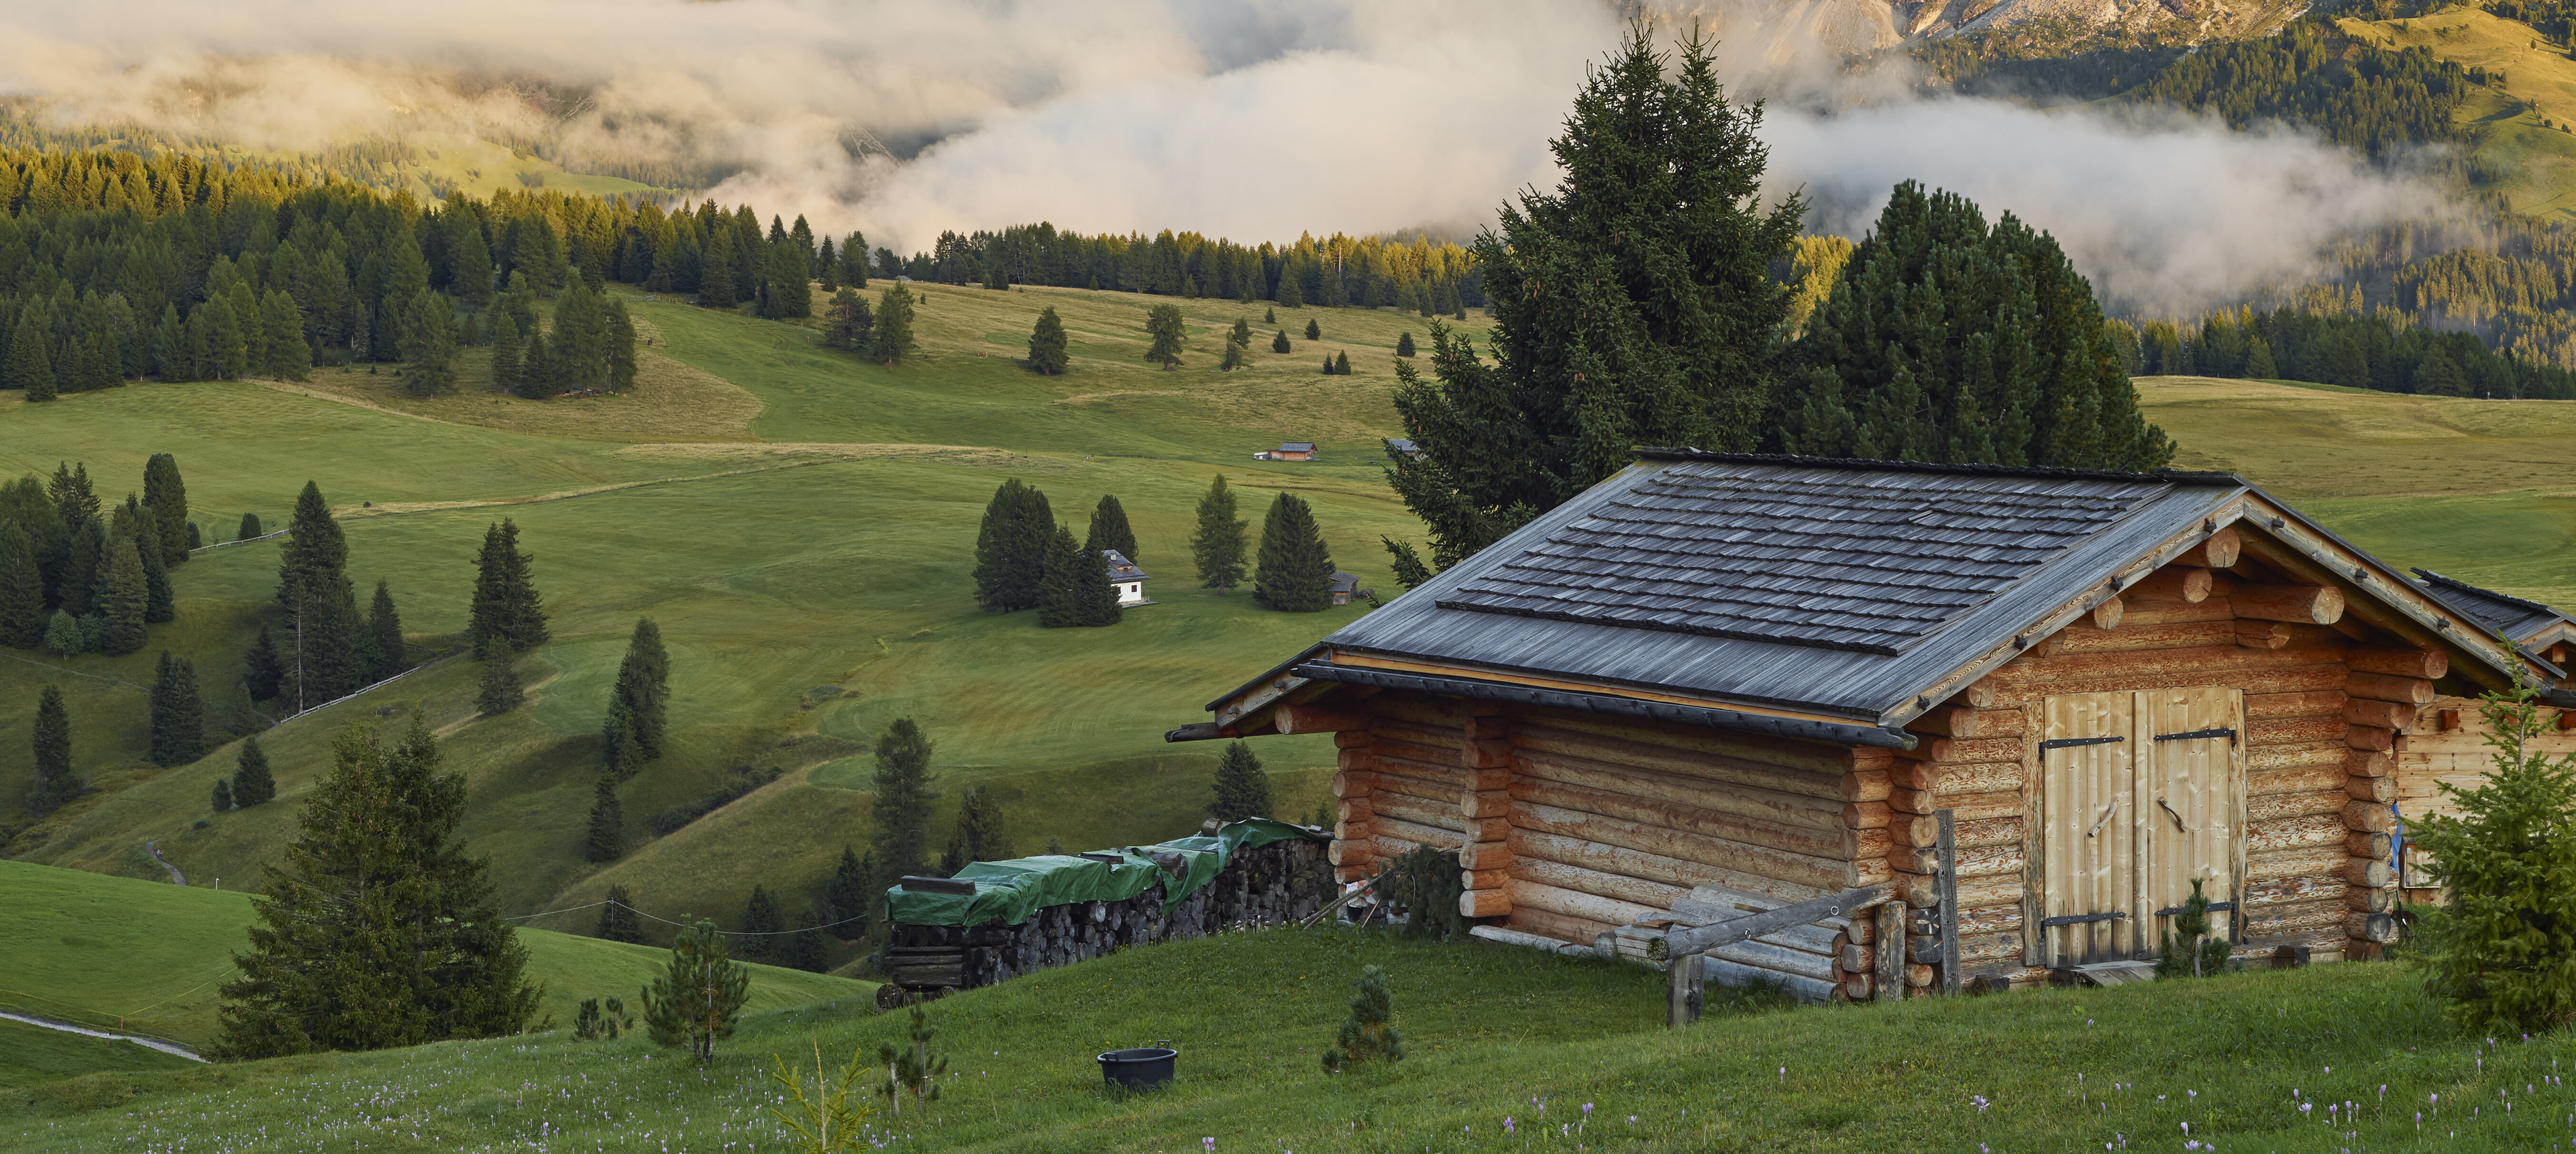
x=1634, y=305
x=499, y=690
x=790, y=292
x=1241, y=333
x=716, y=283
x=507, y=610
x=984, y=825
x=1060, y=601
x=1314, y=331
x=847, y=323
x=1342, y=363
x=178, y=713
x=160, y=600
x=253, y=784
x=249, y=528
x=806, y=949
x=1232, y=359
x=22, y=590
x=384, y=636
x=167, y=496
x=1270, y=316
x=315, y=550
x=827, y=267
x=607, y=839
x=854, y=261
x=1218, y=546
x=121, y=599
x=63, y=634
x=538, y=376
x=890, y=338
x=696, y=1001
x=1946, y=341
x=377, y=929
x=77, y=588
x=509, y=355
x=54, y=783
x=431, y=321
x=1328, y=364
x=1163, y=326
x=223, y=795
x=1047, y=345
x=1279, y=343
x=328, y=658
x=75, y=498
x=761, y=923
x=1296, y=572
x=1109, y=531
x=1404, y=345
x=639, y=704
x=1010, y=548
x=1292, y=295
x=902, y=807
x=852, y=895
x=30, y=365
x=618, y=921
x=262, y=671
x=1242, y=790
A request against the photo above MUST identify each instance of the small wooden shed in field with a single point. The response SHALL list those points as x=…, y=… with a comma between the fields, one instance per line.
x=1713, y=682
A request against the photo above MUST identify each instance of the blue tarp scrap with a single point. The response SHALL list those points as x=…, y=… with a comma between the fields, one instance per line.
x=1011, y=892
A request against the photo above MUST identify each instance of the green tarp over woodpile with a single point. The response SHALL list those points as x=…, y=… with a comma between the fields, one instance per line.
x=1009, y=892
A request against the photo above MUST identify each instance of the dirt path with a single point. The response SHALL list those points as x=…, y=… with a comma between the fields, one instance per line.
x=832, y=455
x=153, y=847
x=327, y=395
x=172, y=1048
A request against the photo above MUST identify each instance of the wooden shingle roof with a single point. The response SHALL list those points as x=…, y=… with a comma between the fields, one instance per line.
x=2525, y=622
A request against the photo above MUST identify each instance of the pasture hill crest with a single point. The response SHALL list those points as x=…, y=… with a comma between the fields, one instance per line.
x=1735, y=679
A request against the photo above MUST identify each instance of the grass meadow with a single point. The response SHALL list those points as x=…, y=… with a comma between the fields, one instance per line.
x=148, y=959
x=2539, y=83
x=798, y=522
x=1505, y=1050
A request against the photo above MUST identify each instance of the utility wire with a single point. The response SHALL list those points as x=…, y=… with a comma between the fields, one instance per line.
x=683, y=925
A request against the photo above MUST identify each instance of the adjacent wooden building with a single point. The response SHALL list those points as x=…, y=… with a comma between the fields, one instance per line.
x=2446, y=740
x=1720, y=683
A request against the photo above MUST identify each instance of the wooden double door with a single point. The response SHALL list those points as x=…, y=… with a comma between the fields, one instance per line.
x=2140, y=793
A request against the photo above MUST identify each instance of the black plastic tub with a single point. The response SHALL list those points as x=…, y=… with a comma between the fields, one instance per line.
x=1139, y=1069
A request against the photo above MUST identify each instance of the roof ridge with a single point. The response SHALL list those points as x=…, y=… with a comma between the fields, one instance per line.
x=1686, y=453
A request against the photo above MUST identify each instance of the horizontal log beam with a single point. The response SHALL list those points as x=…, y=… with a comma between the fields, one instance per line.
x=1803, y=869
x=1751, y=926
x=2307, y=604
x=2382, y=687
x=1793, y=809
x=1685, y=763
x=2431, y=664
x=1777, y=752
x=1832, y=843
x=1319, y=718
x=2218, y=551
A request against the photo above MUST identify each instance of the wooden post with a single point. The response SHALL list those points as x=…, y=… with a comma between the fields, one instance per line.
x=1890, y=978
x=1949, y=882
x=1682, y=1006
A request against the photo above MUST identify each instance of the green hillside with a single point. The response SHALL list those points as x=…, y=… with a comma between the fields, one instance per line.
x=813, y=584
x=2471, y=489
x=2537, y=158
x=1574, y=1054
x=148, y=959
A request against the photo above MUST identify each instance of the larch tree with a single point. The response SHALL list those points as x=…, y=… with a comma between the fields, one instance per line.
x=430, y=324
x=178, y=713
x=378, y=930
x=1011, y=546
x=1164, y=329
x=252, y=781
x=1109, y=530
x=901, y=810
x=1047, y=345
x=1632, y=305
x=55, y=783
x=847, y=323
x=1296, y=571
x=1944, y=340
x=1217, y=548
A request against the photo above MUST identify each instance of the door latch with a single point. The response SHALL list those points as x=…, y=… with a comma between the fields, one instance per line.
x=2173, y=813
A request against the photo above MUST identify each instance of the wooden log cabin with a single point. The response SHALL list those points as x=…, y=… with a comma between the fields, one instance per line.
x=2445, y=741
x=1719, y=681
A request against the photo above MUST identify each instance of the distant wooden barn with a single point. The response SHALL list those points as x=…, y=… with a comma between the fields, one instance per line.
x=1713, y=682
x=1288, y=451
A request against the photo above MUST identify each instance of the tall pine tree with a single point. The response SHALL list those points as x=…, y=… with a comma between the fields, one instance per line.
x=55, y=782
x=263, y=671
x=1633, y=305
x=377, y=929
x=1109, y=531
x=618, y=921
x=121, y=599
x=499, y=690
x=327, y=659
x=903, y=795
x=890, y=339
x=1242, y=790
x=1163, y=325
x=607, y=840
x=1011, y=548
x=384, y=636
x=1296, y=572
x=167, y=495
x=983, y=825
x=507, y=611
x=1047, y=344
x=22, y=590
x=851, y=895
x=252, y=781
x=1218, y=546
x=761, y=923
x=178, y=713
x=1075, y=589
x=639, y=704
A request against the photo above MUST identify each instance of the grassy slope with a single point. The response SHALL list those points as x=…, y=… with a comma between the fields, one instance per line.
x=31, y=1055
x=2539, y=82
x=148, y=958
x=2471, y=489
x=807, y=602
x=1490, y=1032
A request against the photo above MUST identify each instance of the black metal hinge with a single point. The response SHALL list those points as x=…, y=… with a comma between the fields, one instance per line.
x=2197, y=734
x=2063, y=742
x=2214, y=907
x=2079, y=919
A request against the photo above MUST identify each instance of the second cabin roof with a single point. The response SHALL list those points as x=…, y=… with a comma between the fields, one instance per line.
x=2525, y=622
x=1833, y=588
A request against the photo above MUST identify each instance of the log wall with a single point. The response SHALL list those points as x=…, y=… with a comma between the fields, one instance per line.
x=2444, y=741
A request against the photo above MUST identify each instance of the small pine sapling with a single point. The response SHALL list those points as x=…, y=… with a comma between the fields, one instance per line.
x=1314, y=330
x=1270, y=316
x=2190, y=950
x=833, y=1118
x=912, y=1069
x=601, y=1020
x=1404, y=345
x=1342, y=364
x=1279, y=343
x=695, y=1002
x=223, y=794
x=1369, y=1035
x=2498, y=951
